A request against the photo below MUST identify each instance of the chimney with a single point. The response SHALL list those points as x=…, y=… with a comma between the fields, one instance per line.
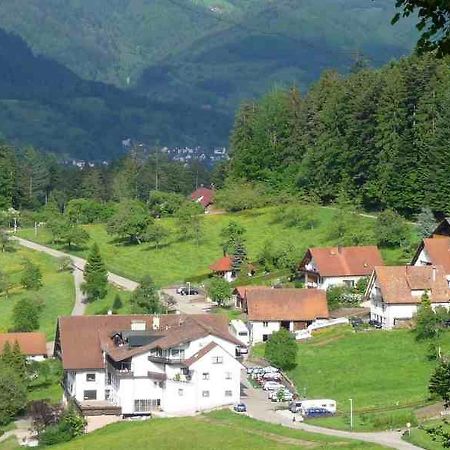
x=156, y=322
x=138, y=325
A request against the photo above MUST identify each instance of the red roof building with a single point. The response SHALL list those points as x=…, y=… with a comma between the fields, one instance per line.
x=204, y=196
x=32, y=345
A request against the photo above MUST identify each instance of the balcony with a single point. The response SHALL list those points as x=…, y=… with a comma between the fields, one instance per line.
x=165, y=360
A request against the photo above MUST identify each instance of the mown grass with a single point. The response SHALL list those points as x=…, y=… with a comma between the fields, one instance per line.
x=386, y=373
x=182, y=260
x=57, y=293
x=219, y=430
x=10, y=444
x=422, y=439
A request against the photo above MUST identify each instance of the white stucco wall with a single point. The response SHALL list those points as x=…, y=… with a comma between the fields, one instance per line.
x=326, y=282
x=80, y=384
x=258, y=330
x=423, y=259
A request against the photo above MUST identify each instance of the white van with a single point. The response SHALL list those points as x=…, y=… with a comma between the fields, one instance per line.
x=240, y=330
x=302, y=405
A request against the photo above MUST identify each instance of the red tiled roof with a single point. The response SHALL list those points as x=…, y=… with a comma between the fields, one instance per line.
x=31, y=344
x=224, y=264
x=344, y=261
x=242, y=290
x=286, y=304
x=438, y=249
x=204, y=196
x=83, y=339
x=200, y=354
x=397, y=283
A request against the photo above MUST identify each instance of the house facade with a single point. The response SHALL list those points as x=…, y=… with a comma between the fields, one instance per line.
x=133, y=365
x=223, y=267
x=434, y=251
x=325, y=267
x=395, y=292
x=203, y=196
x=269, y=310
x=32, y=344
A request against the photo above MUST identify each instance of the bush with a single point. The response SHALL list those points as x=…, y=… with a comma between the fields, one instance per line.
x=390, y=229
x=341, y=295
x=281, y=349
x=240, y=196
x=25, y=315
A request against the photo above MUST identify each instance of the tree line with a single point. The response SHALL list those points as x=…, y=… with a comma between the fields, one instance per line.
x=381, y=136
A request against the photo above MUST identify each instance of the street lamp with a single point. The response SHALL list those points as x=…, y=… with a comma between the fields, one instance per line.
x=351, y=413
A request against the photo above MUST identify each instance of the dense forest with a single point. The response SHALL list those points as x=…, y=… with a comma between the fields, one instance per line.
x=381, y=136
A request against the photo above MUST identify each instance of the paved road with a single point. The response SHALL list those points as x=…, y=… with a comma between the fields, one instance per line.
x=259, y=407
x=193, y=304
x=78, y=264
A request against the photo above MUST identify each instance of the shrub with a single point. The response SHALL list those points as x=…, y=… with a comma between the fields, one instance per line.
x=281, y=349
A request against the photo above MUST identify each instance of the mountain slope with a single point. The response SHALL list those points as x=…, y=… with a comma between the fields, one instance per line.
x=44, y=104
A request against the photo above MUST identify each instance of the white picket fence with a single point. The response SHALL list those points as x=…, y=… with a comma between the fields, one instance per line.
x=316, y=325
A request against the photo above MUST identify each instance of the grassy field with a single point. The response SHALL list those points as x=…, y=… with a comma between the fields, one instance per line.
x=386, y=374
x=180, y=260
x=57, y=292
x=217, y=430
x=422, y=439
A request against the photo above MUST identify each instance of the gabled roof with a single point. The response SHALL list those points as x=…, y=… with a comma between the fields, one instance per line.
x=31, y=344
x=83, y=339
x=398, y=283
x=224, y=264
x=443, y=229
x=344, y=261
x=242, y=290
x=200, y=354
x=286, y=304
x=438, y=250
x=204, y=196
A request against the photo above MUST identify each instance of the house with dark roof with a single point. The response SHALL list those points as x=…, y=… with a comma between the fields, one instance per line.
x=32, y=344
x=203, y=196
x=395, y=292
x=269, y=310
x=325, y=267
x=134, y=365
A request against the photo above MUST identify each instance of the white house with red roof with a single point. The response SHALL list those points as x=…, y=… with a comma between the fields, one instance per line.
x=136, y=365
x=331, y=266
x=395, y=292
x=203, y=196
x=32, y=344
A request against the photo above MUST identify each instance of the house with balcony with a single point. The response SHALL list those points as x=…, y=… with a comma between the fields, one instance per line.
x=136, y=365
x=324, y=267
x=269, y=310
x=395, y=292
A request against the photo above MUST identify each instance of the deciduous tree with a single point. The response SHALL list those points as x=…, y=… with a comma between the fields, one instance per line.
x=281, y=349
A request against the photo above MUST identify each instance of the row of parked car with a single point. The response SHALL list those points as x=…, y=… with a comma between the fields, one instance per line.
x=271, y=380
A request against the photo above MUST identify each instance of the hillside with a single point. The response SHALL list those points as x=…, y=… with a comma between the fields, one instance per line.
x=47, y=105
x=194, y=61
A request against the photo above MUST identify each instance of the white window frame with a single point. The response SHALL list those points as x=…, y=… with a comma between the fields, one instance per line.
x=205, y=376
x=217, y=359
x=205, y=394
x=228, y=393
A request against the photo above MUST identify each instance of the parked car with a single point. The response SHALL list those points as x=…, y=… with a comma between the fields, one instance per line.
x=356, y=322
x=240, y=407
x=303, y=405
x=241, y=350
x=272, y=386
x=317, y=412
x=187, y=291
x=375, y=324
x=272, y=376
x=270, y=369
x=282, y=395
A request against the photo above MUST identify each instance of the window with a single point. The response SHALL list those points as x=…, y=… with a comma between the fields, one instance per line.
x=205, y=376
x=146, y=405
x=107, y=394
x=265, y=337
x=90, y=395
x=227, y=375
x=108, y=378
x=349, y=283
x=180, y=392
x=205, y=393
x=243, y=333
x=228, y=393
x=217, y=359
x=90, y=377
x=265, y=324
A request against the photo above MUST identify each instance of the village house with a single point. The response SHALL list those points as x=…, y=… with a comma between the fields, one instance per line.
x=269, y=310
x=33, y=344
x=223, y=267
x=240, y=295
x=434, y=251
x=134, y=365
x=203, y=196
x=331, y=266
x=395, y=292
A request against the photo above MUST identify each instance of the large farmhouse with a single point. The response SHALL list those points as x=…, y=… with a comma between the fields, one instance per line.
x=395, y=292
x=269, y=310
x=128, y=365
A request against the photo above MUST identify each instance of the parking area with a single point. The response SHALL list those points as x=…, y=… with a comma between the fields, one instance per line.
x=189, y=304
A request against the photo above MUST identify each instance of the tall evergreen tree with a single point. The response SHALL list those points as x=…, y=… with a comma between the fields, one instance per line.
x=95, y=275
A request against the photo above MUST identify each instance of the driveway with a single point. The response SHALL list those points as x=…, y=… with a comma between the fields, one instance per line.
x=259, y=407
x=78, y=273
x=189, y=304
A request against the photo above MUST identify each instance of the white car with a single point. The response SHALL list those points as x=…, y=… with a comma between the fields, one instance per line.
x=282, y=395
x=272, y=386
x=270, y=369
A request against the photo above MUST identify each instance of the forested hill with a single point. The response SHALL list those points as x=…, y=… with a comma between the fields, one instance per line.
x=210, y=53
x=44, y=104
x=381, y=136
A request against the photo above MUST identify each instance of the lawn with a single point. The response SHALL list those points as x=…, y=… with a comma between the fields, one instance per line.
x=57, y=293
x=386, y=374
x=422, y=439
x=102, y=306
x=218, y=430
x=182, y=260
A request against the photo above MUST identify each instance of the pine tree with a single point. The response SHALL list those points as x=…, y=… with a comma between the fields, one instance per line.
x=239, y=256
x=426, y=222
x=426, y=321
x=95, y=275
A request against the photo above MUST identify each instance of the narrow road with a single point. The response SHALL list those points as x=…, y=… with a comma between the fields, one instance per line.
x=78, y=264
x=259, y=407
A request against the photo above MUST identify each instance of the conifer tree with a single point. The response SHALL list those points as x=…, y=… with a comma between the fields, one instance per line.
x=426, y=222
x=95, y=275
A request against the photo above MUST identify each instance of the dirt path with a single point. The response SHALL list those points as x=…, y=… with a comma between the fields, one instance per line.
x=78, y=264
